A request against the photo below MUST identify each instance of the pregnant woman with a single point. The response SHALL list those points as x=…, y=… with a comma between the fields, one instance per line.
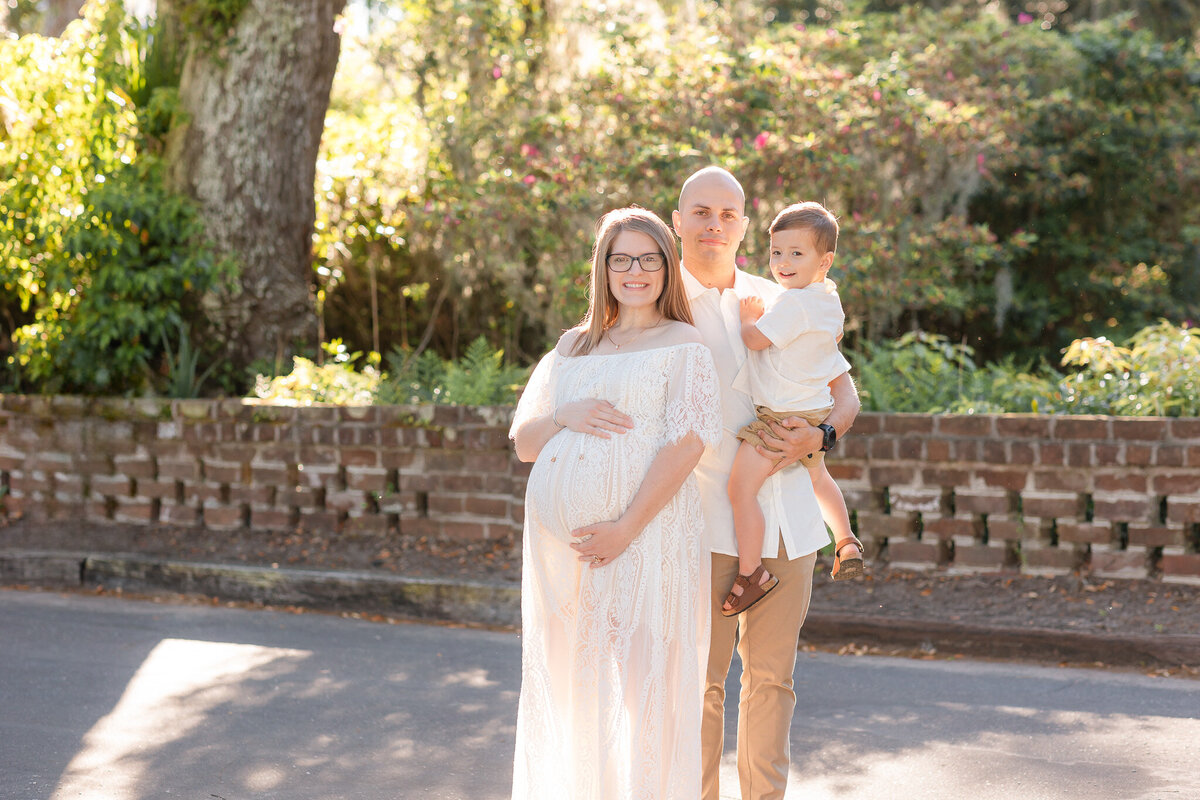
x=614, y=591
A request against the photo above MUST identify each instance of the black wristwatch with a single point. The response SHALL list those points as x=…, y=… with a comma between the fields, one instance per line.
x=829, y=439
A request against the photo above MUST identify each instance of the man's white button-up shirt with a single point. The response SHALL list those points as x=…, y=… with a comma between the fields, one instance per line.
x=787, y=498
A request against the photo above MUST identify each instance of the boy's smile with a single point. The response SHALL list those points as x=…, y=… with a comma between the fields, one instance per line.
x=796, y=262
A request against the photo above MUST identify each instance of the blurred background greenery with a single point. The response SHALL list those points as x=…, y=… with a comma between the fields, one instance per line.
x=1018, y=184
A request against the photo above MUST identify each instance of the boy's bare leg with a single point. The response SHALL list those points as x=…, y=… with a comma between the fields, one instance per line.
x=833, y=507
x=749, y=473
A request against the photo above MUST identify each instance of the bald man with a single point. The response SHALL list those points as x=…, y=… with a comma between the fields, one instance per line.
x=711, y=223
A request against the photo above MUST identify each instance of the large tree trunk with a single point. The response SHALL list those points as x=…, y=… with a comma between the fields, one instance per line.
x=248, y=154
x=60, y=14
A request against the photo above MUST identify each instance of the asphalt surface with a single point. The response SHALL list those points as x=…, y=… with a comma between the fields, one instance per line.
x=116, y=699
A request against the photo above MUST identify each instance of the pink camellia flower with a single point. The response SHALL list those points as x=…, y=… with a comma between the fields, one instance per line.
x=779, y=180
x=1004, y=67
x=737, y=143
x=876, y=95
x=754, y=203
x=949, y=75
x=529, y=180
x=1024, y=19
x=760, y=141
x=496, y=72
x=529, y=150
x=742, y=261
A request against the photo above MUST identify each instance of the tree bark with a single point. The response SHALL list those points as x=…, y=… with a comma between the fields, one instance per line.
x=248, y=153
x=60, y=14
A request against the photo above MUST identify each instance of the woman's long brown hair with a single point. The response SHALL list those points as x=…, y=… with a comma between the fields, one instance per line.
x=602, y=306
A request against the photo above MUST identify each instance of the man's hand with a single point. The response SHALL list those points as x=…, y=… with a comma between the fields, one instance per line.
x=794, y=438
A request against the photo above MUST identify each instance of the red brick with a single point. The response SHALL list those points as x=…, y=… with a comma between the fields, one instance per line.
x=1139, y=455
x=1001, y=528
x=1118, y=563
x=1180, y=566
x=1147, y=535
x=995, y=452
x=946, y=478
x=29, y=482
x=1022, y=453
x=487, y=506
x=168, y=490
x=937, y=450
x=272, y=474
x=951, y=527
x=252, y=495
x=359, y=457
x=225, y=471
x=1146, y=430
x=884, y=526
x=1055, y=560
x=1013, y=480
x=1168, y=456
x=184, y=469
x=1123, y=481
x=908, y=423
x=304, y=497
x=1106, y=455
x=982, y=501
x=1051, y=454
x=224, y=518
x=111, y=485
x=882, y=448
x=891, y=476
x=1183, y=509
x=1080, y=455
x=1085, y=532
x=172, y=514
x=135, y=510
x=1124, y=509
x=868, y=423
x=917, y=553
x=860, y=499
x=910, y=448
x=979, y=556
x=367, y=479
x=1062, y=480
x=1185, y=428
x=445, y=504
x=134, y=466
x=1178, y=483
x=1051, y=505
x=964, y=425
x=840, y=471
x=1095, y=428
x=345, y=500
x=1020, y=426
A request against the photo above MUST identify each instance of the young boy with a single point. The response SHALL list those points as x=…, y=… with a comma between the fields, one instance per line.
x=793, y=357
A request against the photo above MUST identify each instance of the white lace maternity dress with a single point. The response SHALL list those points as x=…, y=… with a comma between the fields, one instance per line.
x=613, y=657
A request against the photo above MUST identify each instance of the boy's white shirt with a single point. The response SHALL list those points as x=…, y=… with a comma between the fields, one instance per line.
x=787, y=499
x=794, y=373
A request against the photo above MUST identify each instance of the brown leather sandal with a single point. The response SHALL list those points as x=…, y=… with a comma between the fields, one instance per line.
x=752, y=592
x=846, y=568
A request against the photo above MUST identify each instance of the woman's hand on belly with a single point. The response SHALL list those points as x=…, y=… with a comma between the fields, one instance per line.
x=600, y=543
x=595, y=417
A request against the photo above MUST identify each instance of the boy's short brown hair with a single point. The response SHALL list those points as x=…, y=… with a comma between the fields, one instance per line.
x=809, y=216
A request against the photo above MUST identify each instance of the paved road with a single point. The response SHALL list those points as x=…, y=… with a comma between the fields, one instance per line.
x=111, y=699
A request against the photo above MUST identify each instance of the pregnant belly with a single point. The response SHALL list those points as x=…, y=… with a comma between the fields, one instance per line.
x=579, y=480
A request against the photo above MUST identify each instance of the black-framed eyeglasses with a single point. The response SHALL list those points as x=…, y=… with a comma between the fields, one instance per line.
x=622, y=262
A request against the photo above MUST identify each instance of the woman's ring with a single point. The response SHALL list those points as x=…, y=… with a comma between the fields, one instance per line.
x=597, y=559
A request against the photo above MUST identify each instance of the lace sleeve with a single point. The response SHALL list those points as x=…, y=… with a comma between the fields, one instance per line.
x=537, y=399
x=693, y=396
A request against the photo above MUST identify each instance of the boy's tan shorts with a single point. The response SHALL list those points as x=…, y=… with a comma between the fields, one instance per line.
x=752, y=433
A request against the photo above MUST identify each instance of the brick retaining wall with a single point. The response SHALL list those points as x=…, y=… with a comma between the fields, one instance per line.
x=1119, y=497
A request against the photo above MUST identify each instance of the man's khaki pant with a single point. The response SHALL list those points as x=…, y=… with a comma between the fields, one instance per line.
x=766, y=642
